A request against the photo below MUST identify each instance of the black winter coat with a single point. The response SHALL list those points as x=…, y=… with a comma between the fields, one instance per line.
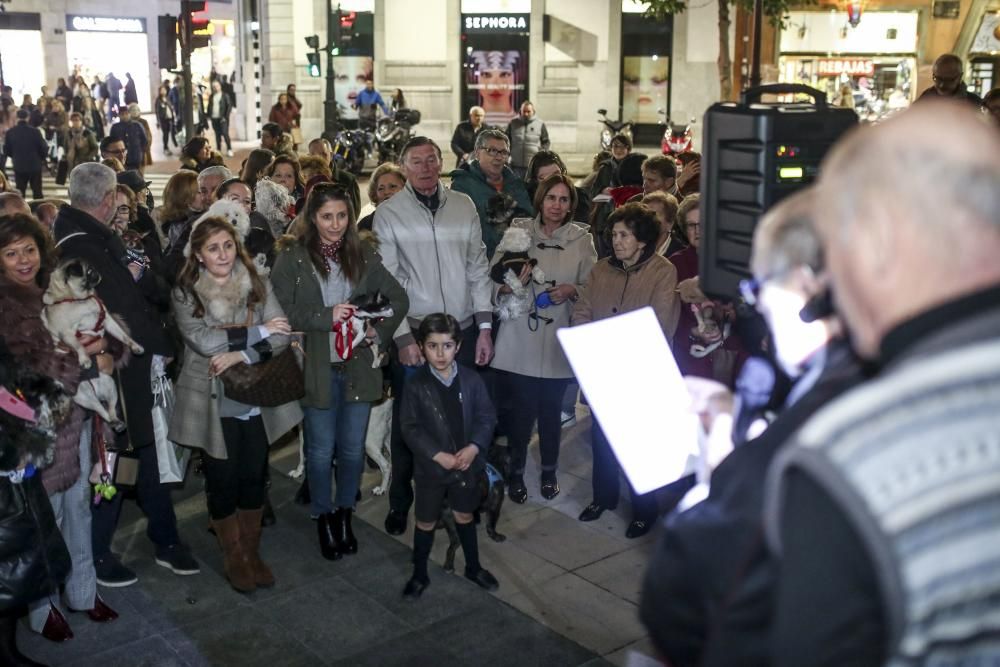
x=34, y=560
x=134, y=136
x=27, y=147
x=708, y=591
x=78, y=234
x=425, y=427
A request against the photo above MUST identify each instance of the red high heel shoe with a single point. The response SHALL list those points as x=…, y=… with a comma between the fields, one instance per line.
x=56, y=627
x=100, y=613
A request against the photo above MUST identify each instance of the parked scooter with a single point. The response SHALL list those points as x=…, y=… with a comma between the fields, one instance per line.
x=611, y=128
x=392, y=133
x=677, y=137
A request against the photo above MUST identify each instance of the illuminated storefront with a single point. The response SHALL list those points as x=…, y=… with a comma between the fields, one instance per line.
x=98, y=45
x=870, y=64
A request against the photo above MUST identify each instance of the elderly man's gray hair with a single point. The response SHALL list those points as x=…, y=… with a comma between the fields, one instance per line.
x=217, y=171
x=486, y=135
x=787, y=238
x=89, y=184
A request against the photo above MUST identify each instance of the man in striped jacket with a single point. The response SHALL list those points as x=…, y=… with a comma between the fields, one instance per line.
x=885, y=513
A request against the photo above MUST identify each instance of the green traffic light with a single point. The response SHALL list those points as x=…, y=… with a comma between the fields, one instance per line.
x=314, y=71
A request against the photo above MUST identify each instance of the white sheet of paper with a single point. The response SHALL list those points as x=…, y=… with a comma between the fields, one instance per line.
x=636, y=392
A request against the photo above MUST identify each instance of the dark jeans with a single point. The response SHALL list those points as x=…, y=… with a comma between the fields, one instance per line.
x=169, y=132
x=22, y=180
x=336, y=432
x=221, y=128
x=401, y=486
x=154, y=500
x=534, y=399
x=605, y=479
x=237, y=482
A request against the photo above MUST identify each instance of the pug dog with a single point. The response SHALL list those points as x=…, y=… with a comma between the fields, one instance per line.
x=73, y=313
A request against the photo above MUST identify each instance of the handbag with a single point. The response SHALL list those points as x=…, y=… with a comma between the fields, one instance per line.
x=171, y=458
x=268, y=383
x=296, y=135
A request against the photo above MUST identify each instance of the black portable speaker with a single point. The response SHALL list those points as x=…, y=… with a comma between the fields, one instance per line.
x=753, y=155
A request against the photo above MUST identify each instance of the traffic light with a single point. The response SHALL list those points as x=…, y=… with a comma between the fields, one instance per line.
x=167, y=43
x=314, y=69
x=312, y=41
x=201, y=26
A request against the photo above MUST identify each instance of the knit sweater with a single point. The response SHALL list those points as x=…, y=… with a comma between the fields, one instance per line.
x=912, y=459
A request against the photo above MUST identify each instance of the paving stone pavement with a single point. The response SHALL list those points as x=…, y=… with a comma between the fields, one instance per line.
x=568, y=591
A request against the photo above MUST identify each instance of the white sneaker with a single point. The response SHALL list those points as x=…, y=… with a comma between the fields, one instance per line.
x=568, y=419
x=229, y=153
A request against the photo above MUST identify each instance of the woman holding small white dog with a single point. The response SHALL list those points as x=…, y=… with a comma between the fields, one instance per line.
x=526, y=348
x=216, y=291
x=26, y=261
x=316, y=279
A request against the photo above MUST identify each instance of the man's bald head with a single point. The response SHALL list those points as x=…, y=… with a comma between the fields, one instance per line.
x=908, y=221
x=947, y=73
x=11, y=203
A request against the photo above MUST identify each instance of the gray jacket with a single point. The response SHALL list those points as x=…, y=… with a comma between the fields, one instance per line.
x=530, y=347
x=196, y=420
x=439, y=258
x=527, y=137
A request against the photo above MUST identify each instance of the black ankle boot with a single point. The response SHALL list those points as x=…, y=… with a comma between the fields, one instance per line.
x=348, y=543
x=327, y=537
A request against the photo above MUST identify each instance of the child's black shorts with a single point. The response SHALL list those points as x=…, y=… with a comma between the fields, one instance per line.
x=463, y=496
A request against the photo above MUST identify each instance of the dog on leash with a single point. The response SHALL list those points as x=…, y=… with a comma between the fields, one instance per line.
x=492, y=491
x=73, y=314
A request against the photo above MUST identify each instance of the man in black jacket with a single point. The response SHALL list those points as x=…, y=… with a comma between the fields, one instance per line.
x=708, y=594
x=28, y=148
x=463, y=140
x=81, y=231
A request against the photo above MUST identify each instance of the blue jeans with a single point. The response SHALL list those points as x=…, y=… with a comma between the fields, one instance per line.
x=337, y=431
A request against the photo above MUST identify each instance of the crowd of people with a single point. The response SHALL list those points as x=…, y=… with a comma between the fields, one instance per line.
x=234, y=276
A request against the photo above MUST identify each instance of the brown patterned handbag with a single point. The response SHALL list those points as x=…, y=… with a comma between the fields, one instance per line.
x=268, y=383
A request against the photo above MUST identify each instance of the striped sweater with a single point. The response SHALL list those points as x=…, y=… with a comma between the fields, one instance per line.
x=913, y=461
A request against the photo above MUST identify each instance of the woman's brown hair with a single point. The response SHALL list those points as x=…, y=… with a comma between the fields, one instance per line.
x=551, y=182
x=350, y=255
x=289, y=160
x=178, y=195
x=126, y=191
x=19, y=226
x=256, y=162
x=192, y=266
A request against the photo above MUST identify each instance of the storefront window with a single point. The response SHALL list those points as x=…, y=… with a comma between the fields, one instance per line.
x=645, y=76
x=869, y=67
x=355, y=63
x=21, y=54
x=99, y=45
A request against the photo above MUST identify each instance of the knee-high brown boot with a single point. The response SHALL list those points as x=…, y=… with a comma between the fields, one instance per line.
x=237, y=567
x=250, y=528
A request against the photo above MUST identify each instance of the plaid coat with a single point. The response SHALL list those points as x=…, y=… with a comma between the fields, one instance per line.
x=196, y=421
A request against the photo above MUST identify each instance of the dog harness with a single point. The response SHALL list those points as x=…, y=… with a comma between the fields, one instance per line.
x=101, y=317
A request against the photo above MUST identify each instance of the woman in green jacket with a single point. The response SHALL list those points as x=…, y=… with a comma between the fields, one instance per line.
x=318, y=279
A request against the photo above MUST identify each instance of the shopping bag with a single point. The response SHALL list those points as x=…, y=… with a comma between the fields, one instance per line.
x=171, y=459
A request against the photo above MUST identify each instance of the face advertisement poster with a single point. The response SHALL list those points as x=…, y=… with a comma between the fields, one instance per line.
x=350, y=72
x=644, y=87
x=497, y=81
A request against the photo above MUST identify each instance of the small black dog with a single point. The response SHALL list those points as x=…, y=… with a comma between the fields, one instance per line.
x=501, y=209
x=492, y=491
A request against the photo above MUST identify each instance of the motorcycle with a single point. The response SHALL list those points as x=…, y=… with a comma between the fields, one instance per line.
x=351, y=149
x=611, y=128
x=677, y=137
x=392, y=133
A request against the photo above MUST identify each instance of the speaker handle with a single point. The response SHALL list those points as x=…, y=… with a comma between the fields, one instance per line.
x=751, y=95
